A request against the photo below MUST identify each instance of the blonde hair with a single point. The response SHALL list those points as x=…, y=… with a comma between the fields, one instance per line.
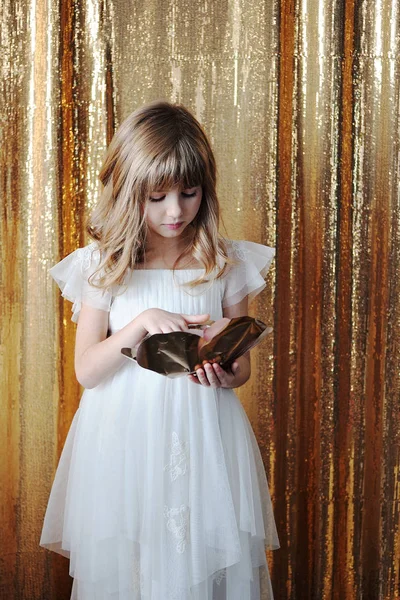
x=158, y=146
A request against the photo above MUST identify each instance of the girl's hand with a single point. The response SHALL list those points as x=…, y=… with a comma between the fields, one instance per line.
x=212, y=375
x=156, y=320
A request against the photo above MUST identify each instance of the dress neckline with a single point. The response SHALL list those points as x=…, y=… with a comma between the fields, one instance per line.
x=171, y=270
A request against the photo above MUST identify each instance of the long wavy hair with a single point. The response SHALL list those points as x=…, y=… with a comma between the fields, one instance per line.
x=158, y=146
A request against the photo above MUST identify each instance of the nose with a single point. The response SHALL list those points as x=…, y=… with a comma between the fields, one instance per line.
x=174, y=208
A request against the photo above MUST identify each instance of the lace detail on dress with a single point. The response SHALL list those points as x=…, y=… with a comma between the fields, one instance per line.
x=238, y=250
x=178, y=464
x=177, y=523
x=137, y=576
x=219, y=576
x=87, y=255
x=83, y=256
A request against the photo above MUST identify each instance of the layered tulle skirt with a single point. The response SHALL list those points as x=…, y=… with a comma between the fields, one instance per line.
x=161, y=494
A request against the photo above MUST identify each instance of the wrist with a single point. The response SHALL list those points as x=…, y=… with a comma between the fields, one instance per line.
x=138, y=328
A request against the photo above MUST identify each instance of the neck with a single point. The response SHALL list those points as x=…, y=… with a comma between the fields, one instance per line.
x=164, y=250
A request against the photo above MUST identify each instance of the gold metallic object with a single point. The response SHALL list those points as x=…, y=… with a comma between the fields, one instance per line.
x=181, y=353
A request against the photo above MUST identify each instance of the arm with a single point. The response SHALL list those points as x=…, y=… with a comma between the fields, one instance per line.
x=214, y=375
x=98, y=356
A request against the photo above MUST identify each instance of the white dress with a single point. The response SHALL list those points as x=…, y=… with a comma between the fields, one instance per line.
x=161, y=492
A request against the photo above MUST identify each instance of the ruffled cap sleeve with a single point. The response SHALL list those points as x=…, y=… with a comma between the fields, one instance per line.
x=246, y=278
x=72, y=274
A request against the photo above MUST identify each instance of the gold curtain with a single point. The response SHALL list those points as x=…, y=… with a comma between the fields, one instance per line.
x=301, y=102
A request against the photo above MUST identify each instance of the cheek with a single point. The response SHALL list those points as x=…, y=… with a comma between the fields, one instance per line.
x=151, y=212
x=144, y=208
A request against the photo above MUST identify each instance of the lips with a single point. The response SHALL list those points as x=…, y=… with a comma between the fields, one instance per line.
x=174, y=225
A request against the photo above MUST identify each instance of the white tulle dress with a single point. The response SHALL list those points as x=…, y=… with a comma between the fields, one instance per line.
x=161, y=492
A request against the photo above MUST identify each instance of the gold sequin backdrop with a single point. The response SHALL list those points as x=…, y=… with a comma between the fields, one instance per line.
x=301, y=101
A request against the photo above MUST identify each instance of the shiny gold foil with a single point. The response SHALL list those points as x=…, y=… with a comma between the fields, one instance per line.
x=300, y=100
x=180, y=353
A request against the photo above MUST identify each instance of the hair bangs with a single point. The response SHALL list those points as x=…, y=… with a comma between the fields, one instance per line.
x=182, y=166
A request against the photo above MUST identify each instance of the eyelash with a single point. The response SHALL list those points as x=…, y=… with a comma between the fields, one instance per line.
x=183, y=194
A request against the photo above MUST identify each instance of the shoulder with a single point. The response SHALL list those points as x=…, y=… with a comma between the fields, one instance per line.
x=77, y=267
x=87, y=255
x=245, y=275
x=73, y=274
x=83, y=257
x=243, y=251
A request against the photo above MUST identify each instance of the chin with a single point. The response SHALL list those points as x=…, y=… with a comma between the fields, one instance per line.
x=171, y=232
x=165, y=232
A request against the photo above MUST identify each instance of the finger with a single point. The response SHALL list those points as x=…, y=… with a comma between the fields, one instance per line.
x=223, y=376
x=168, y=329
x=196, y=318
x=194, y=379
x=235, y=368
x=202, y=377
x=180, y=322
x=154, y=330
x=212, y=375
x=174, y=326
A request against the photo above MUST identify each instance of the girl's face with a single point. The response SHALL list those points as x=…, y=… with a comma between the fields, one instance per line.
x=169, y=212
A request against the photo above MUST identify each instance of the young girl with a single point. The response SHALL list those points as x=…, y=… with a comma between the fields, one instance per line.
x=160, y=493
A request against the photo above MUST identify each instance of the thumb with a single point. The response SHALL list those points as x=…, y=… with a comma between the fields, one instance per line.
x=235, y=367
x=196, y=318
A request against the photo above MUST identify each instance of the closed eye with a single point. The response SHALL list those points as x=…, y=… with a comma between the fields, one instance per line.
x=184, y=194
